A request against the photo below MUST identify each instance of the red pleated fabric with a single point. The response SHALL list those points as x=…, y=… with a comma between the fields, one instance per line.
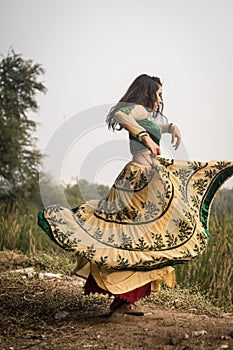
x=131, y=297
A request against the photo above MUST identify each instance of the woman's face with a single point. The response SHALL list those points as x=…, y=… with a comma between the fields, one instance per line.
x=158, y=99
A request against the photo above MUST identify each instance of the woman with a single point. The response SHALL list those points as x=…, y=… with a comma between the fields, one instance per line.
x=154, y=216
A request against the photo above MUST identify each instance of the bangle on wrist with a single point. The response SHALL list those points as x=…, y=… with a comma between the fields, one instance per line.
x=140, y=134
x=170, y=128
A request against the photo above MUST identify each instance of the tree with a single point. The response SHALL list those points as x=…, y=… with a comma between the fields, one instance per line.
x=19, y=158
x=82, y=191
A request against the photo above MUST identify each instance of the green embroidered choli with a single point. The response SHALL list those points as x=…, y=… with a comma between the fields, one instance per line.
x=151, y=128
x=136, y=119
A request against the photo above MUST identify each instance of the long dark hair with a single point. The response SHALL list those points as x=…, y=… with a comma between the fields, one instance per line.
x=142, y=91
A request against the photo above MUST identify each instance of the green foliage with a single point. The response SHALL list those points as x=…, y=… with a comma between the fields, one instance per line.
x=82, y=191
x=19, y=159
x=75, y=194
x=51, y=192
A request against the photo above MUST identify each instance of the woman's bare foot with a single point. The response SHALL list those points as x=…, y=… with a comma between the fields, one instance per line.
x=121, y=306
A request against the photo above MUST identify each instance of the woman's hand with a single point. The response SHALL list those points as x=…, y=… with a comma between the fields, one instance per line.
x=151, y=145
x=176, y=137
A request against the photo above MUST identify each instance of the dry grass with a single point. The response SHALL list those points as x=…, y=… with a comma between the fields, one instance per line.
x=213, y=271
x=32, y=315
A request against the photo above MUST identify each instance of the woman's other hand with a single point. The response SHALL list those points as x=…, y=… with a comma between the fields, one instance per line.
x=151, y=145
x=176, y=137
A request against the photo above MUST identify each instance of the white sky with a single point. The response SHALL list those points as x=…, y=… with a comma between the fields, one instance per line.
x=92, y=51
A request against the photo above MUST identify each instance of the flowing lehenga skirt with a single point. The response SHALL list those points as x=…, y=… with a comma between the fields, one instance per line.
x=151, y=219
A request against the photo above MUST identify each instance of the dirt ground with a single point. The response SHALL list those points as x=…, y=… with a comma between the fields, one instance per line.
x=52, y=313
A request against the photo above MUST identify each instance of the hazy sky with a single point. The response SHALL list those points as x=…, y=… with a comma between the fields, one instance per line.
x=92, y=51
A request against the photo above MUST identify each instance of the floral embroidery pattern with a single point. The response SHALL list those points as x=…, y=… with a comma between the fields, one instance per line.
x=152, y=217
x=133, y=180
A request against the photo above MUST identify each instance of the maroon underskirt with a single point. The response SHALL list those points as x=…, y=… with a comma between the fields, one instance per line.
x=132, y=296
